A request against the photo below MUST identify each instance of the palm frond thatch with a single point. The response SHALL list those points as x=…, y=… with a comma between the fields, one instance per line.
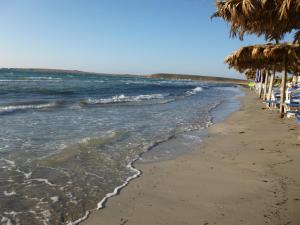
x=281, y=56
x=270, y=18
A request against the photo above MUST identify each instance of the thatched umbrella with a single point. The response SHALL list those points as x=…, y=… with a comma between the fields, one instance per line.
x=279, y=57
x=270, y=18
x=266, y=57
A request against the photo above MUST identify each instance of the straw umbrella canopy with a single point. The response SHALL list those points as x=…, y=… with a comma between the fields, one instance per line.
x=282, y=57
x=270, y=18
x=268, y=56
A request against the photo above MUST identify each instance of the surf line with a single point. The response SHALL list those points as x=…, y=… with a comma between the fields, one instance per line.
x=115, y=192
x=117, y=189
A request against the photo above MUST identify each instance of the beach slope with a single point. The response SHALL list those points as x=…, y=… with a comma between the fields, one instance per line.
x=245, y=172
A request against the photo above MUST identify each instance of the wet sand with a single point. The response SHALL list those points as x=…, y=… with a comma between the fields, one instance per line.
x=247, y=171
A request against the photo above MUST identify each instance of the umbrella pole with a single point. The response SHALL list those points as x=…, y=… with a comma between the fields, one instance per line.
x=271, y=86
x=261, y=83
x=294, y=77
x=266, y=84
x=283, y=88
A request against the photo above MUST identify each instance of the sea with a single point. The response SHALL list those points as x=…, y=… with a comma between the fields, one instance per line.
x=69, y=141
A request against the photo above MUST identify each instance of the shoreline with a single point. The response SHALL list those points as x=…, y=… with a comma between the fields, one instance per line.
x=139, y=160
x=101, y=205
x=206, y=186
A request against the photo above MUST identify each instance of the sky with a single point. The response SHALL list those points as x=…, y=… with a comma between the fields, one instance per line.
x=117, y=36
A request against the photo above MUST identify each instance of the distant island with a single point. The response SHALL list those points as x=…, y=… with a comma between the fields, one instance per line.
x=57, y=71
x=155, y=76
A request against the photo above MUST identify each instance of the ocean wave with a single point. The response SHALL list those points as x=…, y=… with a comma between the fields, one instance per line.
x=122, y=98
x=194, y=91
x=44, y=78
x=32, y=79
x=7, y=193
x=26, y=106
x=14, y=80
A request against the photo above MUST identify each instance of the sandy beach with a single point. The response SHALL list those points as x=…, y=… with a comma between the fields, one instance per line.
x=150, y=112
x=245, y=172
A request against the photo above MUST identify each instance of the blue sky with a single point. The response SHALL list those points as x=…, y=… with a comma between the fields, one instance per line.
x=116, y=36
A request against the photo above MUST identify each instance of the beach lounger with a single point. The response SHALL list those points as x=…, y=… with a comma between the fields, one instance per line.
x=292, y=103
x=271, y=101
x=274, y=102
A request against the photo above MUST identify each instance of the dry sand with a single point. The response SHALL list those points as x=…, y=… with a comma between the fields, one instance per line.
x=247, y=171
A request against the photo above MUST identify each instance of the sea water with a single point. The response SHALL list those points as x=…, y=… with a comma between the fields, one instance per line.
x=68, y=140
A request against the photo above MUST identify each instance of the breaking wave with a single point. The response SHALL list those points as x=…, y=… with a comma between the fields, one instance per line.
x=26, y=106
x=122, y=98
x=194, y=91
x=31, y=79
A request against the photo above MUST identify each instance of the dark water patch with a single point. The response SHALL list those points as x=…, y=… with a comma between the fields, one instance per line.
x=41, y=91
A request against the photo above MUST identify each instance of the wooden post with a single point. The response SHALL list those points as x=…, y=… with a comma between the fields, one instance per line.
x=283, y=88
x=260, y=84
x=271, y=86
x=266, y=84
x=295, y=78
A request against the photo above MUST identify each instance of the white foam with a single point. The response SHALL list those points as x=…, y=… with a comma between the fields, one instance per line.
x=12, y=213
x=100, y=204
x=44, y=78
x=124, y=98
x=137, y=172
x=198, y=89
x=42, y=180
x=6, y=193
x=12, y=108
x=6, y=221
x=9, y=162
x=54, y=199
x=31, y=79
x=147, y=97
x=6, y=80
x=85, y=140
x=194, y=91
x=79, y=220
x=26, y=175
